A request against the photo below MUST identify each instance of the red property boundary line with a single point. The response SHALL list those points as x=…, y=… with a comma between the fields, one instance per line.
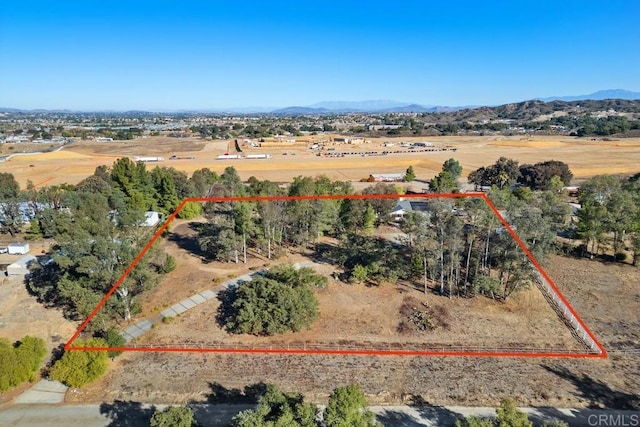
x=601, y=352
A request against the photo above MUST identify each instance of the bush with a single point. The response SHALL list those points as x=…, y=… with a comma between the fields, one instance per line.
x=190, y=210
x=348, y=407
x=359, y=274
x=173, y=416
x=474, y=421
x=280, y=301
x=510, y=416
x=169, y=265
x=277, y=408
x=114, y=339
x=77, y=367
x=620, y=256
x=20, y=362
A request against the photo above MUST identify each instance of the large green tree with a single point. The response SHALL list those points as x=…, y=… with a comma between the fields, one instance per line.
x=281, y=300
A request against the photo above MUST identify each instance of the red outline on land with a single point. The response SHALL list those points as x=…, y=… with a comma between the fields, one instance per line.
x=602, y=353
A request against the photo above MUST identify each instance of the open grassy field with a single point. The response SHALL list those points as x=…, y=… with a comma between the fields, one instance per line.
x=586, y=158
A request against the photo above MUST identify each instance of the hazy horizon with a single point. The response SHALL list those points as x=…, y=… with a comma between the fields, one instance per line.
x=164, y=56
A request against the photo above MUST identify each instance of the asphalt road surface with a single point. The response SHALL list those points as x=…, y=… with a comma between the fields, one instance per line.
x=132, y=414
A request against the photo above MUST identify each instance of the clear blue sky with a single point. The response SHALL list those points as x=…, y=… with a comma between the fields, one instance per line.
x=181, y=54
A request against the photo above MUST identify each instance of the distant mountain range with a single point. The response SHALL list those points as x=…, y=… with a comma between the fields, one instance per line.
x=381, y=106
x=370, y=106
x=597, y=96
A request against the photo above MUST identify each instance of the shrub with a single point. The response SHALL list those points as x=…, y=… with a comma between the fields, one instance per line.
x=77, y=368
x=510, y=416
x=474, y=421
x=277, y=408
x=114, y=339
x=620, y=256
x=169, y=265
x=21, y=361
x=190, y=210
x=173, y=416
x=348, y=407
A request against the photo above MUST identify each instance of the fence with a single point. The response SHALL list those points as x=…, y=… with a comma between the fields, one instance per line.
x=563, y=311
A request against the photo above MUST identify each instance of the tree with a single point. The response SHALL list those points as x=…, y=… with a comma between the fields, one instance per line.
x=115, y=340
x=510, y=416
x=410, y=175
x=277, y=408
x=443, y=183
x=347, y=407
x=369, y=221
x=539, y=176
x=77, y=368
x=173, y=416
x=280, y=301
x=202, y=180
x=11, y=220
x=167, y=198
x=504, y=172
x=453, y=167
x=593, y=217
x=9, y=188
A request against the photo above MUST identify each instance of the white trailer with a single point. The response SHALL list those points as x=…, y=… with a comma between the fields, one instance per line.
x=148, y=159
x=18, y=248
x=258, y=156
x=228, y=157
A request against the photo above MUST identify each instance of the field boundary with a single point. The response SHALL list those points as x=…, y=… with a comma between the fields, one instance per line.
x=549, y=289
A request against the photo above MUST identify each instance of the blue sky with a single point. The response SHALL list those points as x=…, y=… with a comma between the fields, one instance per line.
x=169, y=55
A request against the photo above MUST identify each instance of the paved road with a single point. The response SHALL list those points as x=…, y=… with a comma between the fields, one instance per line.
x=133, y=414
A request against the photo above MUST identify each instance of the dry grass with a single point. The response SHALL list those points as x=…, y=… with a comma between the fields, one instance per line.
x=456, y=381
x=585, y=158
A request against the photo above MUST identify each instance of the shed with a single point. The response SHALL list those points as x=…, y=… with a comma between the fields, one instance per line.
x=21, y=266
x=18, y=248
x=151, y=218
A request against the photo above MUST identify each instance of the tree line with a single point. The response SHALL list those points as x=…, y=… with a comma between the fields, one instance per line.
x=609, y=217
x=458, y=246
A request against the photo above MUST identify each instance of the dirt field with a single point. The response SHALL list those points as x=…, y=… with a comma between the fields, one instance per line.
x=349, y=313
x=597, y=291
x=76, y=161
x=21, y=314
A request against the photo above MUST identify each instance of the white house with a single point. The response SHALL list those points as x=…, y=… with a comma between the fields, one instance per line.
x=405, y=206
x=21, y=266
x=151, y=218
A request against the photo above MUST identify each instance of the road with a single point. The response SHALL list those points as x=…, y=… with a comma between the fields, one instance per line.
x=133, y=414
